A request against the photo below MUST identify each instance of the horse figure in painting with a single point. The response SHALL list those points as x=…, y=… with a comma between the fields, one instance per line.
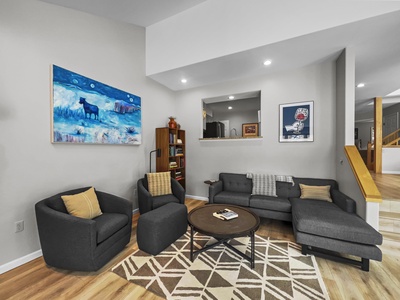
x=89, y=108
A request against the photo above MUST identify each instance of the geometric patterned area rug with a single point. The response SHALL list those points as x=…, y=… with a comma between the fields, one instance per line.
x=280, y=272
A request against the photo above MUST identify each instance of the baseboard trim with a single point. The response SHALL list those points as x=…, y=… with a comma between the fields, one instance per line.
x=391, y=172
x=20, y=261
x=197, y=197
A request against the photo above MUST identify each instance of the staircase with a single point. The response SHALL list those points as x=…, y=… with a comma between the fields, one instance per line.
x=389, y=210
x=389, y=219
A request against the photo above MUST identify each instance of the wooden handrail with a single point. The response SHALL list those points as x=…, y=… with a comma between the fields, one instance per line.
x=364, y=179
x=389, y=139
x=392, y=143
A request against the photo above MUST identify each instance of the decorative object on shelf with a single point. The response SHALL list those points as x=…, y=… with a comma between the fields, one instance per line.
x=172, y=123
x=250, y=129
x=85, y=111
x=296, y=122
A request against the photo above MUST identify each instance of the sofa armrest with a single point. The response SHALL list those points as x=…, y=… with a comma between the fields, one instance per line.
x=343, y=201
x=214, y=189
x=178, y=190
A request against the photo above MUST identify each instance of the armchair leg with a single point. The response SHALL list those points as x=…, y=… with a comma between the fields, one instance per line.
x=365, y=264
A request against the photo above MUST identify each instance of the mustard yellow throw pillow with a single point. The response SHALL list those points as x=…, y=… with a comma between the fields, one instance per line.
x=316, y=192
x=83, y=205
x=159, y=183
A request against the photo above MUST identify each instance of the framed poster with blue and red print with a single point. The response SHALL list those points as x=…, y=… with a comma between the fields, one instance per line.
x=296, y=122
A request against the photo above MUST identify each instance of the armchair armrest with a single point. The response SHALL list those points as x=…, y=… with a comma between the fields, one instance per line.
x=178, y=190
x=145, y=200
x=113, y=204
x=343, y=201
x=214, y=189
x=59, y=232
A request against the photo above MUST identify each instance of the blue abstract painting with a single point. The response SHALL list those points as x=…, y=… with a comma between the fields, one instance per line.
x=87, y=111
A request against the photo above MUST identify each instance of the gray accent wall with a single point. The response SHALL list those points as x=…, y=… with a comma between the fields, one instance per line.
x=206, y=159
x=34, y=35
x=345, y=83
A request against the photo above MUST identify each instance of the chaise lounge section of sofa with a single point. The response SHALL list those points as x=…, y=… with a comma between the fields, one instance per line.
x=317, y=225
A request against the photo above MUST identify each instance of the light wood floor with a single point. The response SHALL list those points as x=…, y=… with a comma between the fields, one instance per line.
x=35, y=280
x=388, y=185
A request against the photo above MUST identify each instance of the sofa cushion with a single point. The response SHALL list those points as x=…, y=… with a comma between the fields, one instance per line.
x=328, y=220
x=316, y=192
x=159, y=201
x=270, y=203
x=234, y=198
x=236, y=183
x=109, y=223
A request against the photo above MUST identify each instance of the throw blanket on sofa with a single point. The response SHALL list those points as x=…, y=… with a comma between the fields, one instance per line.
x=265, y=184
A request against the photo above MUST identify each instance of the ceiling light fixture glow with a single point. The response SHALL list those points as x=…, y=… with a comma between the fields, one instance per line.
x=267, y=62
x=230, y=107
x=231, y=97
x=360, y=85
x=183, y=80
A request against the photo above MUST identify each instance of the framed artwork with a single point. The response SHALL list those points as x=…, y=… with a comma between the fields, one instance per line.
x=296, y=122
x=85, y=111
x=249, y=129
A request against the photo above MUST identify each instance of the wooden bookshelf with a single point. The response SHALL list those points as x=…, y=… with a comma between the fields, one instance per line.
x=173, y=154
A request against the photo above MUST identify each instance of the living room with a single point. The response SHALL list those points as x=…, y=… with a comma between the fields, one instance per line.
x=35, y=35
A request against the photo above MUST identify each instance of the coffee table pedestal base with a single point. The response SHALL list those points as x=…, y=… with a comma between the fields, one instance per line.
x=225, y=242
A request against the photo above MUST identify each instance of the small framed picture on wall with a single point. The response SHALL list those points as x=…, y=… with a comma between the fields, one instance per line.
x=296, y=122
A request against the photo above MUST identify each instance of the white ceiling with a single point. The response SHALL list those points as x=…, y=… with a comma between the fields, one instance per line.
x=376, y=42
x=139, y=12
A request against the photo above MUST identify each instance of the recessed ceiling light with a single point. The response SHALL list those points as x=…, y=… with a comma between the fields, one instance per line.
x=229, y=107
x=231, y=97
x=183, y=80
x=267, y=62
x=360, y=85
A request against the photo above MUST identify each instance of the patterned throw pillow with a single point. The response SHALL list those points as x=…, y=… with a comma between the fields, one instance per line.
x=159, y=183
x=316, y=192
x=83, y=205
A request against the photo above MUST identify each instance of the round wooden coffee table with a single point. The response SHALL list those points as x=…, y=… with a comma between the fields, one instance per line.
x=201, y=220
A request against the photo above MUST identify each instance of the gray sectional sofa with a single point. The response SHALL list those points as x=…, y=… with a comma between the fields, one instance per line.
x=317, y=225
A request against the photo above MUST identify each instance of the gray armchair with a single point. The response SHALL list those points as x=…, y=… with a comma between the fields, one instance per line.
x=73, y=243
x=147, y=202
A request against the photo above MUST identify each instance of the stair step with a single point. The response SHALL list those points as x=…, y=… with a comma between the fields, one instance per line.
x=390, y=215
x=390, y=206
x=392, y=236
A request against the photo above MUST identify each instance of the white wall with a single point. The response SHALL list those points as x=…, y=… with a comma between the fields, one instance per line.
x=391, y=160
x=206, y=159
x=34, y=35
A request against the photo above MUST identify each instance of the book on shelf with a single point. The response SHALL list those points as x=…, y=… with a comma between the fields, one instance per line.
x=225, y=214
x=172, y=138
